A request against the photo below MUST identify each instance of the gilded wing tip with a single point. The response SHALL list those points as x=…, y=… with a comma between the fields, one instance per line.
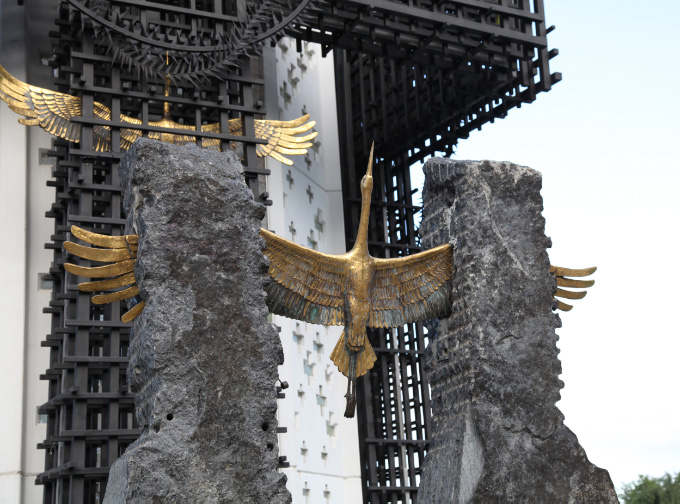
x=50, y=110
x=563, y=306
x=561, y=275
x=121, y=252
x=29, y=122
x=285, y=137
x=570, y=272
x=280, y=158
x=133, y=313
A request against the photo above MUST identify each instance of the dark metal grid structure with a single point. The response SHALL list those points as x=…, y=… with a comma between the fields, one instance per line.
x=429, y=73
x=90, y=412
x=415, y=77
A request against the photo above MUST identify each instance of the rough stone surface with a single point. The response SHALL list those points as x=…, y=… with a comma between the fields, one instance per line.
x=203, y=356
x=493, y=366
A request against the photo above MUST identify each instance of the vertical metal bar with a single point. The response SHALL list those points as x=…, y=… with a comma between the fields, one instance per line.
x=363, y=98
x=399, y=394
x=248, y=120
x=543, y=53
x=112, y=343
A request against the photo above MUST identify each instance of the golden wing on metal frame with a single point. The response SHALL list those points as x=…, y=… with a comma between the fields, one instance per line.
x=121, y=251
x=563, y=281
x=282, y=136
x=306, y=285
x=53, y=111
x=412, y=288
x=41, y=107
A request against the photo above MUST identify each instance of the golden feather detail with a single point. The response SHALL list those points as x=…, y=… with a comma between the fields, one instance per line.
x=121, y=251
x=356, y=290
x=562, y=281
x=53, y=112
x=311, y=286
x=316, y=290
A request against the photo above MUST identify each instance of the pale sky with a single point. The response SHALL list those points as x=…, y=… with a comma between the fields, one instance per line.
x=604, y=139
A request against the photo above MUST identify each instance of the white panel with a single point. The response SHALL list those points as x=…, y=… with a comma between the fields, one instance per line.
x=12, y=259
x=321, y=445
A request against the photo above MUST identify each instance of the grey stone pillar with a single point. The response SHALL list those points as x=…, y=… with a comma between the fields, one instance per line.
x=493, y=367
x=203, y=356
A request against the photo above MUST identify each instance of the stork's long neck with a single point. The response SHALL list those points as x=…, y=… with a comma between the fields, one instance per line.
x=362, y=237
x=361, y=243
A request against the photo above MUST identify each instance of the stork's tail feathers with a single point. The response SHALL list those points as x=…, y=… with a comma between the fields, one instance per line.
x=352, y=363
x=365, y=361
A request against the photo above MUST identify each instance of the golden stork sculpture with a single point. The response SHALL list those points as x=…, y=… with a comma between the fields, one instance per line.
x=53, y=111
x=352, y=289
x=356, y=290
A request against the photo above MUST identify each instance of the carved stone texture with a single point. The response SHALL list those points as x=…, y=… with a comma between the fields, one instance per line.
x=493, y=366
x=203, y=356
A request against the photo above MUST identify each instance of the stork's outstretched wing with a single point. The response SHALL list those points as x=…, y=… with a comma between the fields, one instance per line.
x=562, y=281
x=412, y=288
x=121, y=251
x=53, y=111
x=306, y=285
x=41, y=107
x=282, y=136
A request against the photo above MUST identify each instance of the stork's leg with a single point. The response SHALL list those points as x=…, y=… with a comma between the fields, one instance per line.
x=351, y=394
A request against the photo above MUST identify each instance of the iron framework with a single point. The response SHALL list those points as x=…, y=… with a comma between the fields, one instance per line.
x=416, y=77
x=413, y=75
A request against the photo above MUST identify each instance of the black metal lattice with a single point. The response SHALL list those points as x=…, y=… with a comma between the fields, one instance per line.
x=90, y=412
x=415, y=76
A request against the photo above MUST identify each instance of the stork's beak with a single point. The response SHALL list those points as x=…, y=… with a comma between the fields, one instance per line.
x=369, y=172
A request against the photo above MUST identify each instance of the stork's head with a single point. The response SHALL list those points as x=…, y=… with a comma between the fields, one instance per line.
x=367, y=180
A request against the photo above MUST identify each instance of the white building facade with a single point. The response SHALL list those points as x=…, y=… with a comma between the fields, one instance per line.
x=321, y=445
x=24, y=260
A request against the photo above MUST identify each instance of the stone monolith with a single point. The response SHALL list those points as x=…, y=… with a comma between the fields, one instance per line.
x=203, y=358
x=493, y=366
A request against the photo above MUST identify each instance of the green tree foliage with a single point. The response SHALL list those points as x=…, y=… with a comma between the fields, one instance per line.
x=663, y=490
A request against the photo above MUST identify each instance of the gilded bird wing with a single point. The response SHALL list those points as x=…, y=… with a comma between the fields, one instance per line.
x=412, y=288
x=283, y=137
x=173, y=138
x=102, y=133
x=121, y=252
x=51, y=110
x=214, y=143
x=306, y=285
x=128, y=135
x=563, y=281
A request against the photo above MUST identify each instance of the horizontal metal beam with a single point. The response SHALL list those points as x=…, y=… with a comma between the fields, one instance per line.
x=446, y=20
x=146, y=127
x=166, y=7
